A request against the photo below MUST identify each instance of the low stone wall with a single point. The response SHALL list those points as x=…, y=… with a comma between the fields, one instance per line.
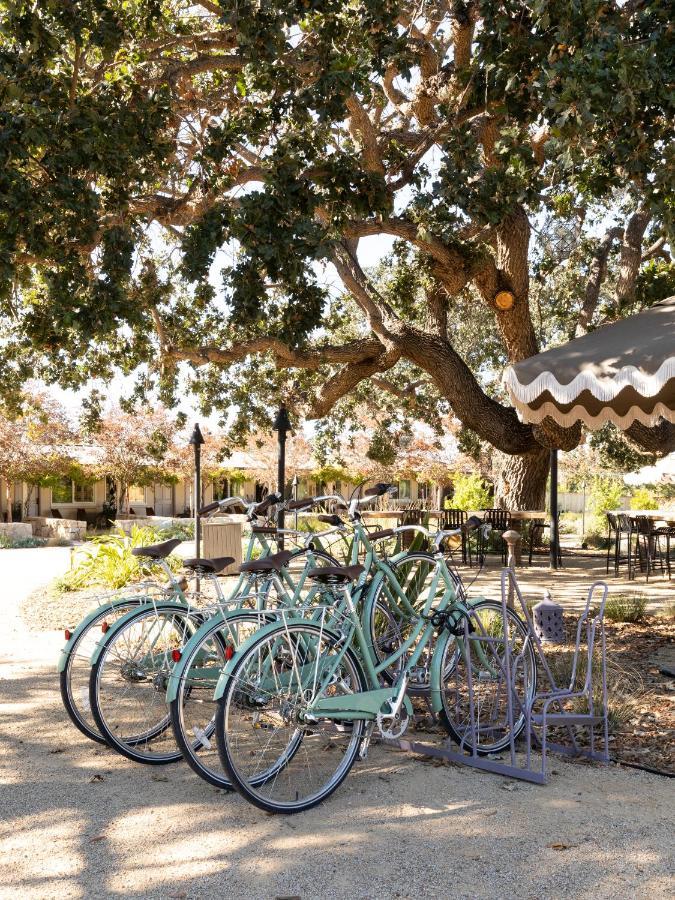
x=153, y=521
x=16, y=530
x=61, y=529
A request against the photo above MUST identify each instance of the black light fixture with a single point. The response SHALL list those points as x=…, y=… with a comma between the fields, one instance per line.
x=282, y=425
x=196, y=441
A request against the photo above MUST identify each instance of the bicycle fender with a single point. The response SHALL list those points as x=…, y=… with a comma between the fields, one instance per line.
x=435, y=675
x=178, y=671
x=123, y=621
x=229, y=667
x=86, y=622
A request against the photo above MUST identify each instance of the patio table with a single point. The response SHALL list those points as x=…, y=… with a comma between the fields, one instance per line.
x=656, y=515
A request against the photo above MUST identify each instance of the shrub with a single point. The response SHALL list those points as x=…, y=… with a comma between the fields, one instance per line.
x=625, y=608
x=110, y=562
x=606, y=494
x=10, y=543
x=184, y=531
x=596, y=532
x=644, y=498
x=569, y=523
x=470, y=493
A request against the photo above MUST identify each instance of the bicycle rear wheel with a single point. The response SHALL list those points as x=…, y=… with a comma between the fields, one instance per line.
x=127, y=684
x=193, y=708
x=276, y=757
x=483, y=656
x=74, y=677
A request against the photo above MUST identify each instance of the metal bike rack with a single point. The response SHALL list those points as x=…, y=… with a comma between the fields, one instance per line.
x=538, y=713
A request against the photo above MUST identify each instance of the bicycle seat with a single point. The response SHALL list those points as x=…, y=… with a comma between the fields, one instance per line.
x=209, y=565
x=157, y=551
x=273, y=563
x=378, y=535
x=335, y=574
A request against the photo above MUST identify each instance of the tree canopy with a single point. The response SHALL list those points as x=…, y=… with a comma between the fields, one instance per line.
x=176, y=177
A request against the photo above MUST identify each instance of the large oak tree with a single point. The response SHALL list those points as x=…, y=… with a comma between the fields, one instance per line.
x=285, y=132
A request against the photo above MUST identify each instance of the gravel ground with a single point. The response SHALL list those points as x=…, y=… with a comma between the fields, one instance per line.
x=79, y=821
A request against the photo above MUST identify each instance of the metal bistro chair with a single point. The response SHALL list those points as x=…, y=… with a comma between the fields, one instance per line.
x=649, y=547
x=500, y=519
x=456, y=518
x=535, y=538
x=627, y=530
x=618, y=527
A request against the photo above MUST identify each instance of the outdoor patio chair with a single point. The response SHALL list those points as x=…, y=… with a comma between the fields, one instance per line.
x=536, y=535
x=456, y=518
x=650, y=544
x=55, y=514
x=500, y=520
x=149, y=511
x=81, y=515
x=627, y=531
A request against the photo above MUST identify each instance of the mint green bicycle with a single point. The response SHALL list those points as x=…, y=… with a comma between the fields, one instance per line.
x=131, y=665
x=194, y=676
x=74, y=664
x=303, y=697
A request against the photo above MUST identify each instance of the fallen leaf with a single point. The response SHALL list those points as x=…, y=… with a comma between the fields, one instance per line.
x=96, y=778
x=58, y=750
x=178, y=895
x=559, y=846
x=97, y=839
x=158, y=777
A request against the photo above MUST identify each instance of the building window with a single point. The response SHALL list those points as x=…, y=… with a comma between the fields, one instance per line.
x=67, y=492
x=137, y=494
x=404, y=489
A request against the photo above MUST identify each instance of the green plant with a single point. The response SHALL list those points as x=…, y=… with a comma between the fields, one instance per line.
x=184, y=531
x=625, y=608
x=470, y=492
x=605, y=494
x=110, y=562
x=10, y=543
x=569, y=523
x=644, y=498
x=596, y=532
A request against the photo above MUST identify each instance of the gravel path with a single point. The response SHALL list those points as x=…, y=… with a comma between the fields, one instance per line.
x=79, y=821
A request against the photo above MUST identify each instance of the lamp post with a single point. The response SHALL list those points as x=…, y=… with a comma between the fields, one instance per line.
x=196, y=441
x=294, y=492
x=282, y=425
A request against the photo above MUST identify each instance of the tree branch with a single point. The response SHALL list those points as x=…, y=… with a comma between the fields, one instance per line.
x=597, y=274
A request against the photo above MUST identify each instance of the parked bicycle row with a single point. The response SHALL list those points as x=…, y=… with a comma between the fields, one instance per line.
x=276, y=687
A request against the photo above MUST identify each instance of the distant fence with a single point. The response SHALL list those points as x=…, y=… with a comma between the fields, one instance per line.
x=573, y=501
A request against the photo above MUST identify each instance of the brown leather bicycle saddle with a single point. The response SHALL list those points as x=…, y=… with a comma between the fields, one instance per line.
x=209, y=565
x=335, y=574
x=273, y=563
x=157, y=551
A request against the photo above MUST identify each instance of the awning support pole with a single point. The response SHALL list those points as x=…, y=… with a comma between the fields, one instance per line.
x=554, y=509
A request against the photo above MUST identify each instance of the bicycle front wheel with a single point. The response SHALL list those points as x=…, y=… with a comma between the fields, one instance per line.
x=480, y=717
x=277, y=755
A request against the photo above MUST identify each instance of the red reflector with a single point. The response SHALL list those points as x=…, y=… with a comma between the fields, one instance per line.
x=104, y=627
x=229, y=652
x=176, y=655
x=68, y=633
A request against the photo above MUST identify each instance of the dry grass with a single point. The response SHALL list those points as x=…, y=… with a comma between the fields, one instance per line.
x=626, y=608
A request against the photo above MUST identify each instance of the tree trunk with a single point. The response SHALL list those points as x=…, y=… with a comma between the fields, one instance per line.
x=521, y=480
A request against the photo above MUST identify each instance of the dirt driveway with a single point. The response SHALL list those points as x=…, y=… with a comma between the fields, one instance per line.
x=78, y=821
